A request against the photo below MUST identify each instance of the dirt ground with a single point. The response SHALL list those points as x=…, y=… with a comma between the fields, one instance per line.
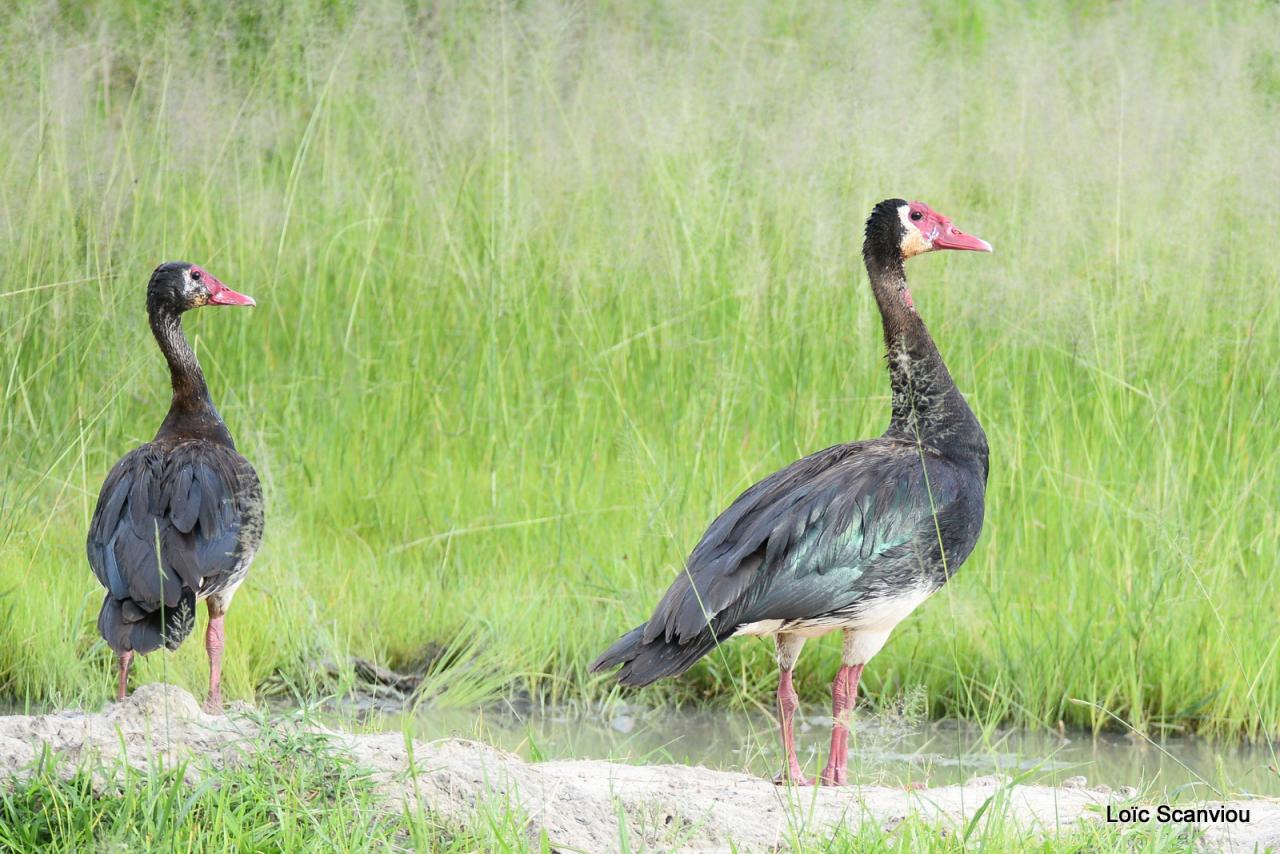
x=579, y=803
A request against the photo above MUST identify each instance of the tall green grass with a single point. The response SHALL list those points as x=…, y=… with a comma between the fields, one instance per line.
x=543, y=287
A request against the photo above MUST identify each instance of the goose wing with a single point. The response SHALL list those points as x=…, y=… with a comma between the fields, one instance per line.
x=812, y=539
x=170, y=520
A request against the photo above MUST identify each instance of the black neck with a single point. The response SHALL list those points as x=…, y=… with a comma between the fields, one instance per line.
x=927, y=407
x=191, y=411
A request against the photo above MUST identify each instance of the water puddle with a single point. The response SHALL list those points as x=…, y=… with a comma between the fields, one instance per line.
x=883, y=752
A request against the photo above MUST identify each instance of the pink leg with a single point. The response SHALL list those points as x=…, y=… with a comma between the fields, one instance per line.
x=214, y=640
x=788, y=702
x=844, y=693
x=122, y=689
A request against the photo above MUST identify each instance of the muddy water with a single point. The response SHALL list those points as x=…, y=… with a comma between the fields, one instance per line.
x=883, y=751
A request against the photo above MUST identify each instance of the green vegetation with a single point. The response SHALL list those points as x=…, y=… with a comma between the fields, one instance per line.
x=541, y=288
x=297, y=794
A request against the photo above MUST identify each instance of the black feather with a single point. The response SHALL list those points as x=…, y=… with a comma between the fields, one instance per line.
x=175, y=521
x=644, y=663
x=184, y=499
x=124, y=626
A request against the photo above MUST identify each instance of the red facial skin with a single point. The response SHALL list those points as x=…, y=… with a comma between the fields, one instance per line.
x=219, y=294
x=939, y=231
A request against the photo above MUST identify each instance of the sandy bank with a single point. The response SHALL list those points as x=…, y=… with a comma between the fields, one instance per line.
x=578, y=803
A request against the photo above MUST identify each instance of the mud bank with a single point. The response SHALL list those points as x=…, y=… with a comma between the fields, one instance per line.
x=579, y=804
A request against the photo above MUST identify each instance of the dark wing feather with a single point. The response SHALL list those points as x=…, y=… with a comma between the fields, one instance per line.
x=183, y=499
x=731, y=554
x=214, y=496
x=828, y=514
x=874, y=531
x=136, y=553
x=809, y=540
x=114, y=579
x=220, y=553
x=181, y=556
x=173, y=519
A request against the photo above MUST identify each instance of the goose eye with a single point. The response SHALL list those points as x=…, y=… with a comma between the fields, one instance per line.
x=917, y=216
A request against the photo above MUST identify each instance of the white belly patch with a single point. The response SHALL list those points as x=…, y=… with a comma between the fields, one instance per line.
x=868, y=623
x=886, y=612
